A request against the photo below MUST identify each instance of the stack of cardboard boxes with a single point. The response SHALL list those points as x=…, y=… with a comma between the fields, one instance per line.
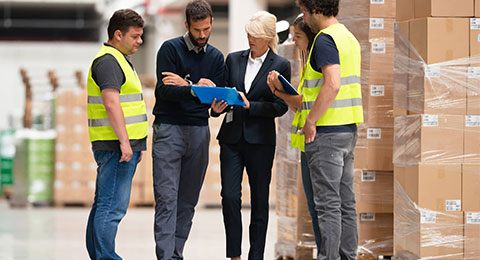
x=437, y=130
x=75, y=167
x=373, y=22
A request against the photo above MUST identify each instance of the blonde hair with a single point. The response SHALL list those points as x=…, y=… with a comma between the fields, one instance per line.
x=263, y=25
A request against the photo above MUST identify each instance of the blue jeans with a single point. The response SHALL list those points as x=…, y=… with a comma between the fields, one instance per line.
x=307, y=187
x=330, y=159
x=112, y=195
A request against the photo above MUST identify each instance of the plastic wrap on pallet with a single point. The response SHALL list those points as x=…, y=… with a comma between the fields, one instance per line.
x=423, y=233
x=376, y=38
x=442, y=101
x=295, y=237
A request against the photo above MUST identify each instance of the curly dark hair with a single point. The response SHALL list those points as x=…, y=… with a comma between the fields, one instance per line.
x=198, y=10
x=122, y=20
x=327, y=8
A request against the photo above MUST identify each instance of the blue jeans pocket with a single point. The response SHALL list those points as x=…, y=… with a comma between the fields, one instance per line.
x=102, y=156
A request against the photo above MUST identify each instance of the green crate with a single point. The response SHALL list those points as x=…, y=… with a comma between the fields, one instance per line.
x=6, y=168
x=40, y=167
x=7, y=153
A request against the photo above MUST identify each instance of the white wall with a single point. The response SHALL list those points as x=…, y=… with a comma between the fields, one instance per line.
x=37, y=58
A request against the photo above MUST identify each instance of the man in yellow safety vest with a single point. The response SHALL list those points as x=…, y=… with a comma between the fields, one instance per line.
x=331, y=110
x=117, y=124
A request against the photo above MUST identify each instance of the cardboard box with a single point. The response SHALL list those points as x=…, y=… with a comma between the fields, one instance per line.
x=435, y=187
x=374, y=191
x=477, y=8
x=440, y=39
x=470, y=184
x=472, y=235
x=378, y=105
x=405, y=10
x=417, y=139
x=436, y=89
x=473, y=87
x=443, y=8
x=367, y=8
x=375, y=234
x=374, y=149
x=472, y=139
x=421, y=234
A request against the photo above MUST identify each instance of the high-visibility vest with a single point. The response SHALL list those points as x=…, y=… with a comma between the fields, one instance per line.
x=131, y=100
x=347, y=106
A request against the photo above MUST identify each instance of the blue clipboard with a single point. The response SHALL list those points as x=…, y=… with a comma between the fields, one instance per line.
x=287, y=86
x=229, y=95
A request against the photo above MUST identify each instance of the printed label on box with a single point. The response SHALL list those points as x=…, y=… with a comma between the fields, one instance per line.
x=377, y=23
x=474, y=24
x=432, y=72
x=374, y=133
x=453, y=205
x=473, y=72
x=473, y=218
x=379, y=47
x=430, y=120
x=314, y=253
x=367, y=217
x=377, y=90
x=378, y=2
x=472, y=121
x=428, y=217
x=368, y=176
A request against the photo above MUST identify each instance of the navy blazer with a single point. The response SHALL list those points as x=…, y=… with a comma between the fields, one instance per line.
x=257, y=124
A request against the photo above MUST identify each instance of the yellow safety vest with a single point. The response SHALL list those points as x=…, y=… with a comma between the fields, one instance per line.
x=347, y=106
x=131, y=100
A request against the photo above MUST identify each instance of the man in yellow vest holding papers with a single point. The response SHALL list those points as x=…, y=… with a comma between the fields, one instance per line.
x=118, y=128
x=331, y=110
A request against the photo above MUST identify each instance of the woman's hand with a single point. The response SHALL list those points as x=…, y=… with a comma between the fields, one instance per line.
x=273, y=82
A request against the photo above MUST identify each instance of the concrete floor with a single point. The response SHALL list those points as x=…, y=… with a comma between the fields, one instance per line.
x=58, y=234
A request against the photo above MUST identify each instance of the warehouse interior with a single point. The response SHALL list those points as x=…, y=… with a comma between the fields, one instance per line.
x=417, y=157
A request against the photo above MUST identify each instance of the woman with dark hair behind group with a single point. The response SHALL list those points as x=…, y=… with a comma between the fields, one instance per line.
x=303, y=39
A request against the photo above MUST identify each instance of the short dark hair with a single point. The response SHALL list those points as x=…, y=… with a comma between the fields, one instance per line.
x=198, y=10
x=122, y=20
x=327, y=8
x=306, y=29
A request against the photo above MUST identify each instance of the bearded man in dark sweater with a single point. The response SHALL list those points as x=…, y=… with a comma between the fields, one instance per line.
x=181, y=135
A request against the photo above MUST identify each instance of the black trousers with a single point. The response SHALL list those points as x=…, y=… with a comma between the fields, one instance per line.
x=258, y=161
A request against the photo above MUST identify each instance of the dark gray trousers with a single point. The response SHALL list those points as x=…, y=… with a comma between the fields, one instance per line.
x=180, y=159
x=330, y=159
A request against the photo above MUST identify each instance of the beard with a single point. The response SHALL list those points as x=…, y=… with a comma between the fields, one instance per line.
x=195, y=40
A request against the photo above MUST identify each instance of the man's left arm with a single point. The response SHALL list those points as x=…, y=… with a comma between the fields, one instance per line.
x=325, y=98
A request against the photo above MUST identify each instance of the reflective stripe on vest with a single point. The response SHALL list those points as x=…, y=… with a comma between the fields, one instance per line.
x=337, y=103
x=131, y=101
x=123, y=98
x=313, y=83
x=106, y=122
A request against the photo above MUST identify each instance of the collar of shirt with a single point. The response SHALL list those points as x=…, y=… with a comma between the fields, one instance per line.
x=191, y=46
x=260, y=59
x=126, y=56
